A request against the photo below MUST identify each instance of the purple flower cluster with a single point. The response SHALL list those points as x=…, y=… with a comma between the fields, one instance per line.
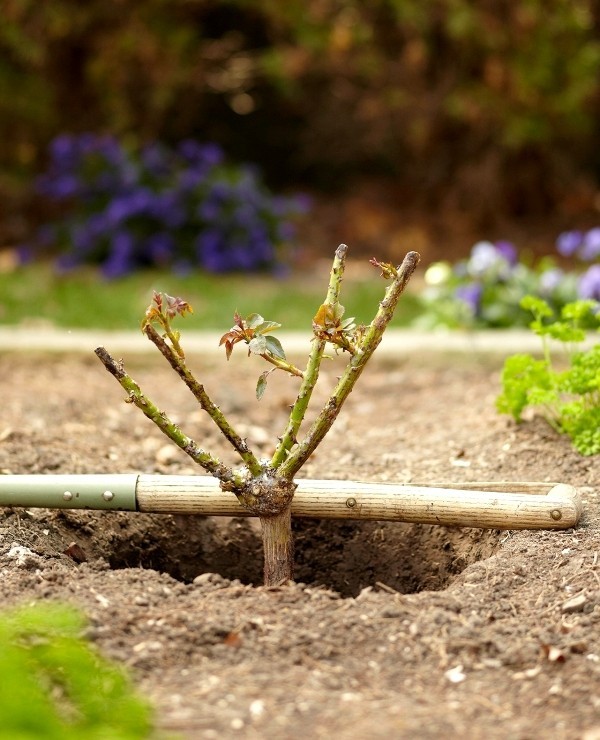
x=488, y=264
x=583, y=245
x=492, y=277
x=487, y=287
x=179, y=208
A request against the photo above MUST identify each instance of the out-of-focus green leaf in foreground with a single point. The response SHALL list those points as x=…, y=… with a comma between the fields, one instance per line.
x=55, y=684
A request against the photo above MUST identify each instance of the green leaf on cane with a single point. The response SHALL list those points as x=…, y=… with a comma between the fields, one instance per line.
x=261, y=385
x=258, y=345
x=274, y=347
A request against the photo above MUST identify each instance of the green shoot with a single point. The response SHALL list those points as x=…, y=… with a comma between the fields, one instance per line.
x=330, y=325
x=163, y=312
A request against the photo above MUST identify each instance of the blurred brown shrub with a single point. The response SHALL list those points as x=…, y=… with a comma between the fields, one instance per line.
x=488, y=105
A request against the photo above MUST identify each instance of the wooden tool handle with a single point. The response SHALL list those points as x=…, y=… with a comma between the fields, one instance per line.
x=482, y=504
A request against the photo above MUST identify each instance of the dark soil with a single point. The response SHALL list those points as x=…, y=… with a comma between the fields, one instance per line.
x=391, y=630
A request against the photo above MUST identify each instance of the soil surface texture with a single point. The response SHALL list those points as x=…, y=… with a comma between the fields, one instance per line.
x=391, y=630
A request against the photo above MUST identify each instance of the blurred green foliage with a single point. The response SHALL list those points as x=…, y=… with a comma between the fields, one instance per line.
x=568, y=399
x=56, y=686
x=498, y=101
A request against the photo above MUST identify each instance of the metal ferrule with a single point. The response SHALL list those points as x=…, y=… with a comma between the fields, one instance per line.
x=105, y=492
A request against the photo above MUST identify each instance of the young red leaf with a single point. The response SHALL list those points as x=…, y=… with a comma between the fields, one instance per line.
x=388, y=270
x=229, y=339
x=176, y=305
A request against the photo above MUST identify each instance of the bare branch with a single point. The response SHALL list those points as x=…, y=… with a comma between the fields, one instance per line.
x=311, y=374
x=354, y=368
x=177, y=362
x=134, y=395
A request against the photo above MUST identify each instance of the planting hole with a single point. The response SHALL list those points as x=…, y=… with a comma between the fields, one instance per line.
x=344, y=556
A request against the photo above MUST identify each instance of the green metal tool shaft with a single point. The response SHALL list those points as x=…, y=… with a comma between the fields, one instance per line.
x=105, y=492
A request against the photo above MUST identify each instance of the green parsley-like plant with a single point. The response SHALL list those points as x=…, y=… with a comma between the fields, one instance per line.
x=266, y=486
x=569, y=399
x=56, y=686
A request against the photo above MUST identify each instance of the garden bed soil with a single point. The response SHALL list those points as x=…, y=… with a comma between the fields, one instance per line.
x=390, y=630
